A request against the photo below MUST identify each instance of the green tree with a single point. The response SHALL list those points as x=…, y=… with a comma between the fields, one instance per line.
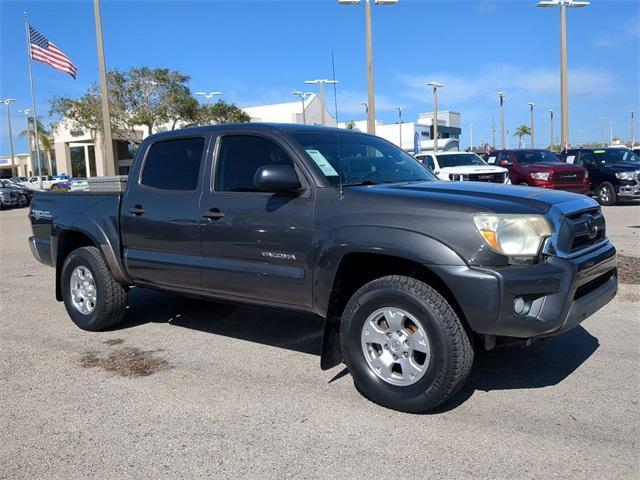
x=45, y=139
x=522, y=131
x=220, y=112
x=350, y=125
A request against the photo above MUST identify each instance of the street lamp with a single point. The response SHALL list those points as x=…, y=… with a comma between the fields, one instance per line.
x=602, y=127
x=208, y=95
x=501, y=96
x=366, y=107
x=371, y=113
x=8, y=102
x=531, y=105
x=434, y=121
x=303, y=96
x=551, y=128
x=400, y=124
x=322, y=82
x=610, y=133
x=564, y=114
x=26, y=112
x=633, y=130
x=471, y=137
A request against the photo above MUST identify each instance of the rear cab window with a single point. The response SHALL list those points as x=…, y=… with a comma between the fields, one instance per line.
x=173, y=164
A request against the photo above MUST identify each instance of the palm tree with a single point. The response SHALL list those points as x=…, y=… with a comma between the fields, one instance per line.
x=44, y=139
x=521, y=132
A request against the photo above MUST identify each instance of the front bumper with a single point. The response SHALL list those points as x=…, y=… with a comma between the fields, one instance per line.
x=559, y=293
x=631, y=190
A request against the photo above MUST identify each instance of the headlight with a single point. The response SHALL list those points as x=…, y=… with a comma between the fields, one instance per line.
x=513, y=235
x=625, y=175
x=540, y=175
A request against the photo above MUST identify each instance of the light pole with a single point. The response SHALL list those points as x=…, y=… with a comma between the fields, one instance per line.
x=208, y=95
x=471, y=136
x=8, y=102
x=564, y=114
x=551, y=144
x=633, y=130
x=303, y=96
x=26, y=112
x=610, y=133
x=493, y=131
x=366, y=107
x=434, y=121
x=602, y=131
x=399, y=108
x=531, y=106
x=322, y=82
x=501, y=96
x=371, y=114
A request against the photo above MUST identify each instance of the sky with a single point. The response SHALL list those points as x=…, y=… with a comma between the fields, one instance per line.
x=258, y=52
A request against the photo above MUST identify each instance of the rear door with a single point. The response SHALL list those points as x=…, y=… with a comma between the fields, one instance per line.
x=587, y=160
x=160, y=215
x=256, y=245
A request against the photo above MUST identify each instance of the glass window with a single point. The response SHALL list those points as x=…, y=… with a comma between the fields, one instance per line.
x=363, y=159
x=428, y=161
x=459, y=160
x=174, y=164
x=240, y=158
x=616, y=155
x=78, y=163
x=586, y=158
x=535, y=156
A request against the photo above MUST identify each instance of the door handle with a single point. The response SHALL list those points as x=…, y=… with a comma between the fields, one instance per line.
x=213, y=214
x=137, y=210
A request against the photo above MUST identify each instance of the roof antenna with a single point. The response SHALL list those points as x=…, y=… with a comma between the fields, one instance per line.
x=335, y=104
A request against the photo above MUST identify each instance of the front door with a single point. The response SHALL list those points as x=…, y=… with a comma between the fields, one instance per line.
x=256, y=245
x=160, y=214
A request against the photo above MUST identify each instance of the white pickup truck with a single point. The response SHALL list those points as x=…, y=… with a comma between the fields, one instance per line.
x=47, y=182
x=462, y=166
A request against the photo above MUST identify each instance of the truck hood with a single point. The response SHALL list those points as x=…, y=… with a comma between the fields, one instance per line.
x=621, y=166
x=466, y=169
x=473, y=196
x=557, y=167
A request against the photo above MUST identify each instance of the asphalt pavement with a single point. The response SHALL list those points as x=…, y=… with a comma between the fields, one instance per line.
x=194, y=389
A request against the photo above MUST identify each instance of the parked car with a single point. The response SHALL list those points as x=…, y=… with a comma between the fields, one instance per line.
x=47, y=181
x=19, y=180
x=636, y=150
x=8, y=198
x=24, y=194
x=614, y=173
x=541, y=168
x=408, y=272
x=462, y=166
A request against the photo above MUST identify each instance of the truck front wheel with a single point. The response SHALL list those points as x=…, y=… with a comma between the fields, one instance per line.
x=93, y=299
x=606, y=194
x=404, y=345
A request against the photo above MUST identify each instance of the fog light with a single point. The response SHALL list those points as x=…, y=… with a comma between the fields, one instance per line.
x=521, y=306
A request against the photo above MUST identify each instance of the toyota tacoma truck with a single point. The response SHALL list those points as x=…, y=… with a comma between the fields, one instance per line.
x=411, y=275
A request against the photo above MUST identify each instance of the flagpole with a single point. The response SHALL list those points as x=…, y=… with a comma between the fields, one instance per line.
x=33, y=100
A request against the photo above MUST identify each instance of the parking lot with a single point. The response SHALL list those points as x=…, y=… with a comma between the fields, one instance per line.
x=187, y=388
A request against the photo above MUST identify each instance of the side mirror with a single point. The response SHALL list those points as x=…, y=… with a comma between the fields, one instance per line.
x=276, y=178
x=505, y=163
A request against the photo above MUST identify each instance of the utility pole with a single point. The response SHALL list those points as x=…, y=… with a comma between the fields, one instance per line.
x=303, y=96
x=8, y=102
x=471, y=136
x=321, y=82
x=107, y=137
x=633, y=130
x=610, y=133
x=493, y=131
x=501, y=96
x=434, y=121
x=400, y=124
x=552, y=144
x=564, y=114
x=602, y=131
x=531, y=105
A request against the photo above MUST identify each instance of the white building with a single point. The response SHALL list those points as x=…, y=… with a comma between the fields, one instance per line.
x=418, y=136
x=291, y=112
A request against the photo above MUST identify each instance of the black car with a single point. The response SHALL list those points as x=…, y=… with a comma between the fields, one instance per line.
x=614, y=173
x=23, y=194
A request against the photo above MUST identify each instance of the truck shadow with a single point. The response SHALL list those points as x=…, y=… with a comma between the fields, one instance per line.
x=540, y=365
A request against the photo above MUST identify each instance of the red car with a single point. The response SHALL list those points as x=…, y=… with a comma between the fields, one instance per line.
x=541, y=168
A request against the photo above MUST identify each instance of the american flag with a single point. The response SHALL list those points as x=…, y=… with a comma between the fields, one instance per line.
x=45, y=51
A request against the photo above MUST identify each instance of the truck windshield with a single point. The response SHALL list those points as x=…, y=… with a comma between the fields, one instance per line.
x=459, y=160
x=535, y=156
x=363, y=159
x=616, y=155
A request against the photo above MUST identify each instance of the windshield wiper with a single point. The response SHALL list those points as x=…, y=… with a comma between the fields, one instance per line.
x=367, y=182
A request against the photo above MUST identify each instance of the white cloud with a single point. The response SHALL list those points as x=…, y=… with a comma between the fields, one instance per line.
x=517, y=81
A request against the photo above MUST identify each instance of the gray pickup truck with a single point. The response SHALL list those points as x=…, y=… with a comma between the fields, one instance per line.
x=411, y=274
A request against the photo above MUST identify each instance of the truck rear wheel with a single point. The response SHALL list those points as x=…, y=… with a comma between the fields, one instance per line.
x=404, y=345
x=93, y=299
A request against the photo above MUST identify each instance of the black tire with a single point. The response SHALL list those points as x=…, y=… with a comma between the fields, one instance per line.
x=111, y=298
x=451, y=349
x=606, y=194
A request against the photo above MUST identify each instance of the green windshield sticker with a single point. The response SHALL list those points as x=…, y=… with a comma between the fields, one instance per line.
x=599, y=151
x=322, y=163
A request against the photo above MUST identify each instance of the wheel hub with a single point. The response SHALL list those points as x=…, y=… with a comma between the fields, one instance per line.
x=83, y=290
x=395, y=346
